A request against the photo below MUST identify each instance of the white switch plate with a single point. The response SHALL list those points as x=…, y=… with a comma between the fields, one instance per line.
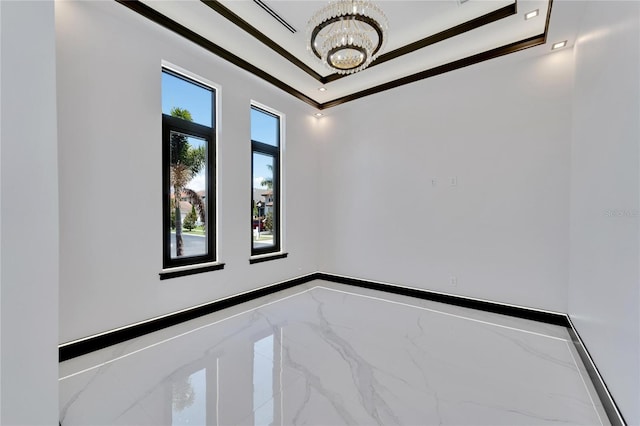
x=453, y=181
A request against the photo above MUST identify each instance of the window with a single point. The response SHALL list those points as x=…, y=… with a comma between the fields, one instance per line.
x=265, y=178
x=188, y=171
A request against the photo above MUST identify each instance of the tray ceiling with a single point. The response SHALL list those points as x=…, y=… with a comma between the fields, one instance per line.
x=426, y=38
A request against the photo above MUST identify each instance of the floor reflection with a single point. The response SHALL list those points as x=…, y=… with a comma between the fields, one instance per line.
x=189, y=399
x=328, y=356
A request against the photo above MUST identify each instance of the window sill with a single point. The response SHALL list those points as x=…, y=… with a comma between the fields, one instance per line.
x=190, y=270
x=267, y=257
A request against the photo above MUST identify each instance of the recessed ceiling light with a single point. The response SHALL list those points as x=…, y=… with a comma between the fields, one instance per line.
x=322, y=89
x=531, y=14
x=559, y=45
x=318, y=114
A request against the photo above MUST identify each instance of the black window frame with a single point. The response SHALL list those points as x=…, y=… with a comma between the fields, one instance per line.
x=175, y=124
x=273, y=151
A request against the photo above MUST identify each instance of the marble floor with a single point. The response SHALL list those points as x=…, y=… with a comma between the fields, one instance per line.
x=329, y=354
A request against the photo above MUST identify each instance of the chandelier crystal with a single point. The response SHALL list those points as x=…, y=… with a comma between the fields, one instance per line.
x=347, y=35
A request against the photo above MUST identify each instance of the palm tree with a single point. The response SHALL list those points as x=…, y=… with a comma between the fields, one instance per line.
x=185, y=163
x=268, y=182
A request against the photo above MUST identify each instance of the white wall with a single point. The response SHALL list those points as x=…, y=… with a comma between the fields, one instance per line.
x=604, y=285
x=29, y=223
x=503, y=128
x=109, y=104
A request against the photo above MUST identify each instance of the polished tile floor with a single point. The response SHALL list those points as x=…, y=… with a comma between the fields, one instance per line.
x=328, y=354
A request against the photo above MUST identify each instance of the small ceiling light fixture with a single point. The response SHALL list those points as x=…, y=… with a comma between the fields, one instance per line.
x=347, y=35
x=322, y=89
x=559, y=45
x=318, y=114
x=531, y=14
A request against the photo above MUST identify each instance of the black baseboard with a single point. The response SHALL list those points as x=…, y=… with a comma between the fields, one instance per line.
x=609, y=405
x=77, y=348
x=482, y=305
x=93, y=343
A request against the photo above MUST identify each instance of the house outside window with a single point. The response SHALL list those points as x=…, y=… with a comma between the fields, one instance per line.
x=188, y=170
x=266, y=211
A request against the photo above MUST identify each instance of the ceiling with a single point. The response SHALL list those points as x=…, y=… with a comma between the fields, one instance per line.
x=425, y=38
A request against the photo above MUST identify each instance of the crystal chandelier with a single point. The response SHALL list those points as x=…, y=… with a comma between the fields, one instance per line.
x=347, y=35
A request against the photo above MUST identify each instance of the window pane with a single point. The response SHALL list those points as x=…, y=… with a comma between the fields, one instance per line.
x=265, y=127
x=188, y=192
x=182, y=94
x=264, y=214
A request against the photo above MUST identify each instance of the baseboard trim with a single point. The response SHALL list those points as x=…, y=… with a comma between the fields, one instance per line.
x=99, y=341
x=555, y=318
x=93, y=343
x=548, y=317
x=608, y=403
x=89, y=344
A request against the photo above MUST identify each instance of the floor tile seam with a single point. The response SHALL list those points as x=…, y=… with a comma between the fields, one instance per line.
x=446, y=313
x=110, y=361
x=584, y=383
